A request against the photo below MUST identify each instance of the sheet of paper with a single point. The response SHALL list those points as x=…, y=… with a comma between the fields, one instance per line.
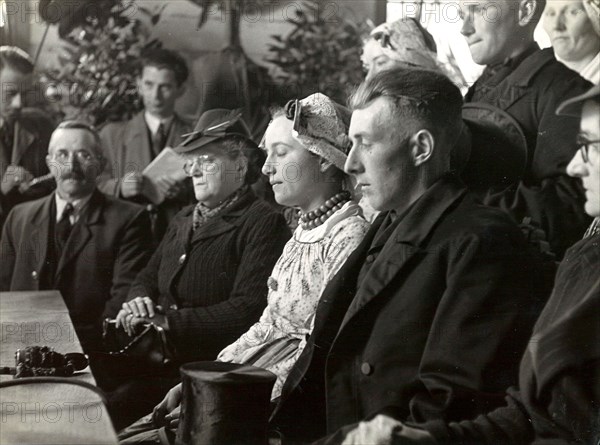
x=167, y=163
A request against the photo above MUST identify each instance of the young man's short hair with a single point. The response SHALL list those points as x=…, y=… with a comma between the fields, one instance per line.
x=417, y=95
x=165, y=59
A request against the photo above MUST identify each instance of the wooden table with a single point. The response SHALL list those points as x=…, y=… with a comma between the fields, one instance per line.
x=46, y=413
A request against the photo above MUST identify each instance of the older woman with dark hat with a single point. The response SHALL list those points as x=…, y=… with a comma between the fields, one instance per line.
x=206, y=284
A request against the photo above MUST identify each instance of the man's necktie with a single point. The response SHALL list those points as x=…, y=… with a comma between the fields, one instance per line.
x=63, y=228
x=159, y=139
x=7, y=134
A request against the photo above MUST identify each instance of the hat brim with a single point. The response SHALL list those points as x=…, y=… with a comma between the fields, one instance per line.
x=192, y=143
x=572, y=107
x=498, y=148
x=195, y=145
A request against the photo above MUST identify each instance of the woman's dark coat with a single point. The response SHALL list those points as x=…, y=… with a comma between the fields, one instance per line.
x=213, y=282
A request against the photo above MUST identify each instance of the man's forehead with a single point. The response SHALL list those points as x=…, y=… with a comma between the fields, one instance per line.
x=151, y=71
x=372, y=118
x=72, y=138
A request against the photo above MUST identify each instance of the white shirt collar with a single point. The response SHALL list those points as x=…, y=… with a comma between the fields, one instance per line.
x=78, y=206
x=153, y=122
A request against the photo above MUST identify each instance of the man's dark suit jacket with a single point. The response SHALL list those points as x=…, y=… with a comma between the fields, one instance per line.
x=107, y=247
x=32, y=134
x=435, y=329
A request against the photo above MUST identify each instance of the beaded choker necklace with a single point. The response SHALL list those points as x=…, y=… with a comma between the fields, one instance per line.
x=317, y=217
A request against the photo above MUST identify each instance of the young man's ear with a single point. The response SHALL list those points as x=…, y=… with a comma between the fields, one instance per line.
x=422, y=145
x=527, y=10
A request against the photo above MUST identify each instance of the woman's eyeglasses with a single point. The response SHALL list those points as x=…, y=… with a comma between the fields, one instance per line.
x=205, y=164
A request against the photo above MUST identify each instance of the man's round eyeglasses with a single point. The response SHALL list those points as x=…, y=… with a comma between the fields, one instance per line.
x=583, y=146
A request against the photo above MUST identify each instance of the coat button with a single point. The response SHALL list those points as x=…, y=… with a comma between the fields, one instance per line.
x=34, y=275
x=366, y=368
x=182, y=258
x=370, y=259
x=174, y=307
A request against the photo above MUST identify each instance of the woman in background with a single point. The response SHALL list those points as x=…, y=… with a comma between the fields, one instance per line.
x=405, y=42
x=574, y=35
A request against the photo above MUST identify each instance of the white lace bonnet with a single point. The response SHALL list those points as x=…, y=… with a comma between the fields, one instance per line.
x=321, y=126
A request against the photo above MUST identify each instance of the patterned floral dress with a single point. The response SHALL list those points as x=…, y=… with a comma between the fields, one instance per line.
x=309, y=260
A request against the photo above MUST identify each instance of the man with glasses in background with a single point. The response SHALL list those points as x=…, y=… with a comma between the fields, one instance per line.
x=77, y=240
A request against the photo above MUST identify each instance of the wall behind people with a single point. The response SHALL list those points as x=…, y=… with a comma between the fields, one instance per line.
x=178, y=30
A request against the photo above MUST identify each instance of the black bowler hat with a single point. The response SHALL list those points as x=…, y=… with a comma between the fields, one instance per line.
x=492, y=152
x=213, y=125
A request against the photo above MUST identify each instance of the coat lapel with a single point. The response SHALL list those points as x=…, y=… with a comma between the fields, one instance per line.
x=81, y=233
x=137, y=150
x=220, y=224
x=39, y=232
x=518, y=82
x=405, y=242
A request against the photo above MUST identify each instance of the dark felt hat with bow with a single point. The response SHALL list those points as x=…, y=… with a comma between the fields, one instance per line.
x=213, y=125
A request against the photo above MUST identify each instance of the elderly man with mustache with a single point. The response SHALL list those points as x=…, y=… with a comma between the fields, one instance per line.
x=77, y=240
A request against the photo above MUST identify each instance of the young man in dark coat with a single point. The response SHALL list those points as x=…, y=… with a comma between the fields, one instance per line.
x=87, y=245
x=558, y=398
x=529, y=84
x=425, y=319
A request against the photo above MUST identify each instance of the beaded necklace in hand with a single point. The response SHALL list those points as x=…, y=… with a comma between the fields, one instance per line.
x=317, y=217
